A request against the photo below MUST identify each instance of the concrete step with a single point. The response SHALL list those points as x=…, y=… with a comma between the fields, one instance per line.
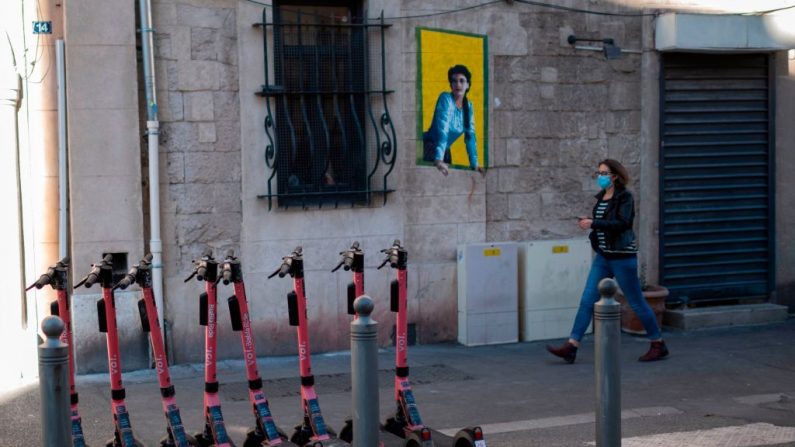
x=725, y=316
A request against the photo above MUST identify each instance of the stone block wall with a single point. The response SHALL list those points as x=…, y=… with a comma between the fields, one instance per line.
x=200, y=152
x=558, y=112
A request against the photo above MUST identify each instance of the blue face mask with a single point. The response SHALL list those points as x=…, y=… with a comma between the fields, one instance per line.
x=603, y=181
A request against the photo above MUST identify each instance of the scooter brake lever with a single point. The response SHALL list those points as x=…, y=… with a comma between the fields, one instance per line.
x=83, y=281
x=191, y=276
x=41, y=282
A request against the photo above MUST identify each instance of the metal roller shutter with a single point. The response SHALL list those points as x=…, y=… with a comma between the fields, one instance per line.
x=716, y=208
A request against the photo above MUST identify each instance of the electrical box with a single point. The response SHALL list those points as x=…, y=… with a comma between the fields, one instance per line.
x=552, y=277
x=488, y=294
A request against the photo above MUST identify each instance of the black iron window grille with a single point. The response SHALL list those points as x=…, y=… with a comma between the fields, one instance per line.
x=330, y=138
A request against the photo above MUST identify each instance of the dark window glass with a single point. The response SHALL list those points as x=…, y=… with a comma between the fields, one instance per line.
x=320, y=117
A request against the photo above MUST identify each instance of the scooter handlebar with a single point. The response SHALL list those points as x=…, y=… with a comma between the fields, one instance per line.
x=43, y=280
x=200, y=271
x=226, y=273
x=125, y=282
x=89, y=280
x=47, y=278
x=93, y=275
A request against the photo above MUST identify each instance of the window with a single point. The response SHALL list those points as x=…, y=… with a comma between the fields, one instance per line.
x=328, y=145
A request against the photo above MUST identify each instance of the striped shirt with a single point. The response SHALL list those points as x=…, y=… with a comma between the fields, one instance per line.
x=601, y=208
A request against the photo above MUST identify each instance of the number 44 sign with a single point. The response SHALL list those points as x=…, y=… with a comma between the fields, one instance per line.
x=42, y=27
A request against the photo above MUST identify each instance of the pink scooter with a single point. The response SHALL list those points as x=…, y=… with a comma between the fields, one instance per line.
x=206, y=269
x=142, y=275
x=407, y=422
x=312, y=431
x=57, y=277
x=106, y=309
x=353, y=260
x=266, y=433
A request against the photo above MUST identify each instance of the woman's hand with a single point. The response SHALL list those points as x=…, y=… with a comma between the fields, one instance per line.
x=585, y=224
x=481, y=170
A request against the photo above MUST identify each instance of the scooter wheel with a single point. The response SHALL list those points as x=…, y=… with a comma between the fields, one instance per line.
x=166, y=441
x=253, y=439
x=346, y=434
x=112, y=443
x=201, y=441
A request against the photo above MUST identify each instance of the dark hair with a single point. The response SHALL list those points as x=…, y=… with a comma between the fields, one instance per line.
x=464, y=71
x=617, y=169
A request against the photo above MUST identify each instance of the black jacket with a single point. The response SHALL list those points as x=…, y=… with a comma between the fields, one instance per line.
x=616, y=223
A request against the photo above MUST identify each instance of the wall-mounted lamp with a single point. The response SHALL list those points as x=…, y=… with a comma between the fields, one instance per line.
x=609, y=47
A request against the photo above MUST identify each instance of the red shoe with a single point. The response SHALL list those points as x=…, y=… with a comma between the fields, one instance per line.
x=657, y=351
x=567, y=352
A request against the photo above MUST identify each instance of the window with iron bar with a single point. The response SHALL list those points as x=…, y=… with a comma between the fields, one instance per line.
x=330, y=139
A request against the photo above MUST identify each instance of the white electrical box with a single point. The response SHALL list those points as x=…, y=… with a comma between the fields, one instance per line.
x=552, y=276
x=488, y=294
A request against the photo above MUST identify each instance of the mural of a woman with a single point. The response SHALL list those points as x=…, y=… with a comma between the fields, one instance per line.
x=453, y=116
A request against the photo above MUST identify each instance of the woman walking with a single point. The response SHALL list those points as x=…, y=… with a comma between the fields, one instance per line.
x=616, y=256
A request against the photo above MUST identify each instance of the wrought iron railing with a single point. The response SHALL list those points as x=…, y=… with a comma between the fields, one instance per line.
x=330, y=137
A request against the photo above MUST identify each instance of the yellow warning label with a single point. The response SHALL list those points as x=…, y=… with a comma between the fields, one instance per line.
x=560, y=249
x=491, y=252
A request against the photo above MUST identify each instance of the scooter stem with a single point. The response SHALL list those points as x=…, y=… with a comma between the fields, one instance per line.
x=57, y=276
x=233, y=272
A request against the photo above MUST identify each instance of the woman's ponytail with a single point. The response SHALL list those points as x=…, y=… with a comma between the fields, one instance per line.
x=466, y=112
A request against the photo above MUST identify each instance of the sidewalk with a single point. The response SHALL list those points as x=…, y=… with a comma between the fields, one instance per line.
x=737, y=386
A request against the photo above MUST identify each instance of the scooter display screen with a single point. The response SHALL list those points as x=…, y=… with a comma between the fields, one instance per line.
x=217, y=421
x=316, y=417
x=175, y=422
x=264, y=414
x=124, y=427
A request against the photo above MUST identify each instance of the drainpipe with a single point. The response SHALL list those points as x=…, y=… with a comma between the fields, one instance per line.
x=152, y=131
x=12, y=259
x=63, y=205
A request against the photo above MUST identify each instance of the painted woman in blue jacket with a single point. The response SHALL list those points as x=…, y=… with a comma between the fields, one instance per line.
x=454, y=116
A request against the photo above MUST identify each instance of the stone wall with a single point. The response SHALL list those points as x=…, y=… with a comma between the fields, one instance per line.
x=200, y=152
x=554, y=113
x=104, y=166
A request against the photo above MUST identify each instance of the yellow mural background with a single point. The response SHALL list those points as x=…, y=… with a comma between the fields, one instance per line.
x=440, y=50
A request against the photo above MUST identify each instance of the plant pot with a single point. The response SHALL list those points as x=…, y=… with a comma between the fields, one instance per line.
x=655, y=296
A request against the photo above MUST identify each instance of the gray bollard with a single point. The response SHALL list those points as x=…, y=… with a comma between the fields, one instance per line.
x=607, y=330
x=56, y=425
x=364, y=374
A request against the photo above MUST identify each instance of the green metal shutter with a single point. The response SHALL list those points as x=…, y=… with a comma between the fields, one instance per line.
x=716, y=176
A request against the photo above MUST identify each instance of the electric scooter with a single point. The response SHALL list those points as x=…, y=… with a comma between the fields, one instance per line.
x=407, y=422
x=353, y=260
x=106, y=310
x=142, y=275
x=312, y=430
x=57, y=277
x=214, y=434
x=265, y=433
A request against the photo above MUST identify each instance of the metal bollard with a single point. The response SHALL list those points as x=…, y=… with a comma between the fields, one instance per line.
x=364, y=374
x=607, y=330
x=56, y=425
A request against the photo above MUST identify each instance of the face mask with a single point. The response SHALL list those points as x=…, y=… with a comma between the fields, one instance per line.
x=603, y=181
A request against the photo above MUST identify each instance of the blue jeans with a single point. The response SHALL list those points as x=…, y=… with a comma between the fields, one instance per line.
x=625, y=271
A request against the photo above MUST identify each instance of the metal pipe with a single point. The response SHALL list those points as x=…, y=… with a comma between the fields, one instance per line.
x=56, y=428
x=63, y=173
x=364, y=374
x=607, y=320
x=153, y=132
